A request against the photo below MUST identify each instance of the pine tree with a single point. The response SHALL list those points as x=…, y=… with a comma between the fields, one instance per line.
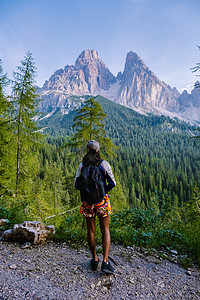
x=4, y=107
x=196, y=69
x=119, y=201
x=56, y=190
x=89, y=123
x=6, y=138
x=25, y=102
x=132, y=196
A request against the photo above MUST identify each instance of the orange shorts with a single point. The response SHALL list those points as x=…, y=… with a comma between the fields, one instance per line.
x=101, y=209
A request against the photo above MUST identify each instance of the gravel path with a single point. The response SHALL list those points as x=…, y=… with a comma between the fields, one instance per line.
x=56, y=271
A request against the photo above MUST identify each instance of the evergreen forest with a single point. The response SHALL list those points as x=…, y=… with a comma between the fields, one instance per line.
x=155, y=160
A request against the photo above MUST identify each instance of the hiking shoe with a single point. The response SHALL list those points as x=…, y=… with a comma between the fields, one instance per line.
x=94, y=264
x=107, y=268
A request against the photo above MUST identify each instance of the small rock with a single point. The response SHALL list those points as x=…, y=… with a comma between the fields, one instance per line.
x=162, y=285
x=183, y=256
x=13, y=266
x=92, y=286
x=99, y=283
x=138, y=267
x=3, y=222
x=26, y=245
x=132, y=281
x=174, y=252
x=188, y=272
x=104, y=289
x=81, y=251
x=174, y=259
x=148, y=295
x=30, y=269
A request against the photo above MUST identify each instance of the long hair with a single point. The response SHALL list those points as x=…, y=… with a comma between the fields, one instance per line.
x=92, y=157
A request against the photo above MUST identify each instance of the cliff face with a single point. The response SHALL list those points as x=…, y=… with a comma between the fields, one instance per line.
x=87, y=75
x=190, y=103
x=136, y=87
x=191, y=100
x=140, y=87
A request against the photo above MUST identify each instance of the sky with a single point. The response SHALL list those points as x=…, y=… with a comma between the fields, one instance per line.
x=165, y=34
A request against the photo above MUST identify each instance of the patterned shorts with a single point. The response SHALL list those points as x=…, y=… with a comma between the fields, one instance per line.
x=101, y=209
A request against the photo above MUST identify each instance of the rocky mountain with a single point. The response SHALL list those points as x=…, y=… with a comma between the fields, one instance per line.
x=190, y=103
x=139, y=87
x=136, y=87
x=190, y=100
x=87, y=75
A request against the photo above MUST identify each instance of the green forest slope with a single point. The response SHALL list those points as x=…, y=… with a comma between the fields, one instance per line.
x=157, y=155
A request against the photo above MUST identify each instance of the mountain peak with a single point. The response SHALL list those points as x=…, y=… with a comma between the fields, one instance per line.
x=133, y=55
x=88, y=55
x=132, y=59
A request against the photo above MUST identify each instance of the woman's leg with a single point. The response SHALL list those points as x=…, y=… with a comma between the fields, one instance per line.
x=104, y=225
x=91, y=236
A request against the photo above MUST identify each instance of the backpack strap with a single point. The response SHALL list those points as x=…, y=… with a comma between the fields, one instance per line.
x=102, y=167
x=100, y=162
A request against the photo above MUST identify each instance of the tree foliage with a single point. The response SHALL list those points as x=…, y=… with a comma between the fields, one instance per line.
x=89, y=125
x=25, y=102
x=6, y=137
x=197, y=67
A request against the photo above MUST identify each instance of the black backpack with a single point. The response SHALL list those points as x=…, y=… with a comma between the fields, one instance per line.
x=90, y=184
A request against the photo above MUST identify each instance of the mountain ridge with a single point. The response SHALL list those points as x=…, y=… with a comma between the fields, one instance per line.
x=137, y=87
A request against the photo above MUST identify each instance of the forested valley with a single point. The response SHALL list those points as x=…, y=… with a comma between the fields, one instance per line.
x=156, y=162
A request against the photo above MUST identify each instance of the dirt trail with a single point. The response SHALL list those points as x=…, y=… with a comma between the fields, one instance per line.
x=56, y=271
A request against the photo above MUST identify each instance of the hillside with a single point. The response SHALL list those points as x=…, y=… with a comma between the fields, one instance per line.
x=60, y=120
x=156, y=153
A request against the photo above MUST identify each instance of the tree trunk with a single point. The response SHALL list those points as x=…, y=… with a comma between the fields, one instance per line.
x=18, y=151
x=17, y=176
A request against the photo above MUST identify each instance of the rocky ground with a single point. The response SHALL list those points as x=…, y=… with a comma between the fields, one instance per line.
x=56, y=271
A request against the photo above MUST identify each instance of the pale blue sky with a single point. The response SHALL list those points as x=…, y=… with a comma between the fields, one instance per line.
x=165, y=34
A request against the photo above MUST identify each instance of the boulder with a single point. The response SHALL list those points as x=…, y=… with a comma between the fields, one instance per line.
x=29, y=231
x=3, y=222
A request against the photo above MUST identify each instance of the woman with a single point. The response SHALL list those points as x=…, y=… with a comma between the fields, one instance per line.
x=101, y=209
